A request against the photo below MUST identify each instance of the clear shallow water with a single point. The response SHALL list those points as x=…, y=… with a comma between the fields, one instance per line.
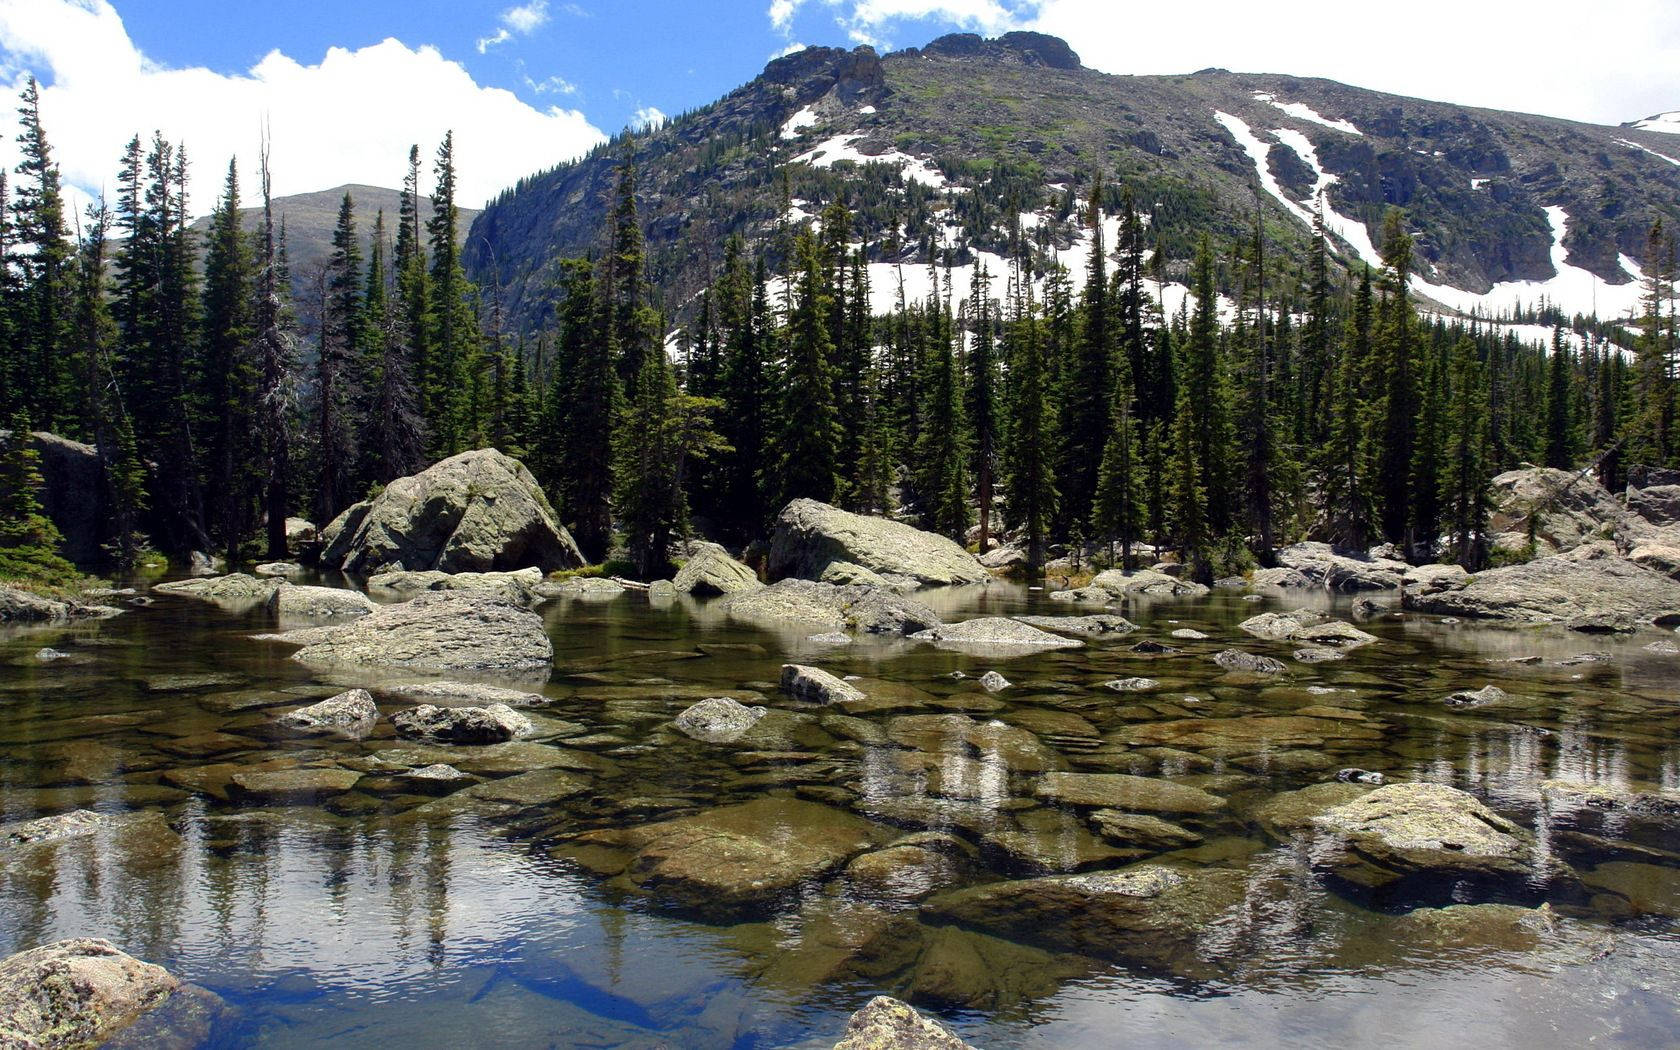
x=353, y=919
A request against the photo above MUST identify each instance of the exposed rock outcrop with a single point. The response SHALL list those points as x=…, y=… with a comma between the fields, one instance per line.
x=21, y=606
x=1341, y=570
x=1591, y=588
x=292, y=602
x=462, y=725
x=814, y=541
x=234, y=591
x=888, y=1024
x=85, y=992
x=518, y=586
x=711, y=571
x=474, y=512
x=443, y=631
x=1000, y=634
x=827, y=607
x=1115, y=585
x=1570, y=508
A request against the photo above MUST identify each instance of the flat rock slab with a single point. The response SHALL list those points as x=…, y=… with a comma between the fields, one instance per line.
x=831, y=608
x=293, y=786
x=1122, y=791
x=811, y=537
x=1591, y=588
x=1001, y=634
x=437, y=631
x=465, y=694
x=814, y=685
x=1097, y=625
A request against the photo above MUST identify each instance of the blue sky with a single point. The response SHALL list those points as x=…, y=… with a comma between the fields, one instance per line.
x=344, y=86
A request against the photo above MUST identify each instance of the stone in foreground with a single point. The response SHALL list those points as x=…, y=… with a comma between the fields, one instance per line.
x=462, y=725
x=352, y=713
x=817, y=686
x=813, y=537
x=85, y=992
x=718, y=720
x=888, y=1024
x=436, y=631
x=473, y=512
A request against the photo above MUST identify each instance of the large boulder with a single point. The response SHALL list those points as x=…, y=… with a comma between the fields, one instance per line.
x=1115, y=585
x=436, y=631
x=812, y=539
x=473, y=512
x=236, y=590
x=351, y=713
x=1426, y=836
x=296, y=602
x=888, y=1024
x=994, y=634
x=1590, y=588
x=827, y=607
x=1343, y=570
x=518, y=586
x=1571, y=508
x=86, y=992
x=70, y=494
x=462, y=725
x=20, y=606
x=711, y=571
x=718, y=720
x=1659, y=504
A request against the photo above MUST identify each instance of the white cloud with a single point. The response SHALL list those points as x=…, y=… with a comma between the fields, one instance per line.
x=349, y=118
x=1530, y=70
x=521, y=20
x=647, y=118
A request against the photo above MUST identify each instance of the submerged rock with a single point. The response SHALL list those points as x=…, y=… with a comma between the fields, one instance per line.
x=443, y=631
x=888, y=1024
x=351, y=713
x=814, y=685
x=1148, y=915
x=1121, y=791
x=830, y=608
x=462, y=725
x=989, y=633
x=473, y=512
x=711, y=571
x=718, y=720
x=811, y=536
x=1487, y=694
x=721, y=861
x=86, y=992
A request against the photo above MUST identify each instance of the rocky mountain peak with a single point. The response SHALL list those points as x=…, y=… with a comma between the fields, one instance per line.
x=1032, y=49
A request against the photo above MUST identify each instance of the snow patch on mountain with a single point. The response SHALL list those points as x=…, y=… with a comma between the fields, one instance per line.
x=796, y=124
x=1571, y=289
x=1646, y=149
x=1302, y=111
x=1667, y=123
x=844, y=147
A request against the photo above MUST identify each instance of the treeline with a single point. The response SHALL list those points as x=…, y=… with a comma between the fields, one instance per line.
x=219, y=405
x=1071, y=410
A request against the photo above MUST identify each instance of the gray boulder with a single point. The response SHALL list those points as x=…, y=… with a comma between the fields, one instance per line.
x=718, y=720
x=817, y=686
x=352, y=713
x=1572, y=508
x=1590, y=588
x=812, y=536
x=1342, y=570
x=234, y=591
x=1117, y=585
x=1096, y=625
x=279, y=568
x=518, y=587
x=20, y=606
x=1237, y=660
x=462, y=725
x=1432, y=579
x=994, y=633
x=711, y=571
x=86, y=992
x=826, y=607
x=442, y=631
x=70, y=494
x=888, y=1024
x=474, y=512
x=292, y=602
x=1658, y=504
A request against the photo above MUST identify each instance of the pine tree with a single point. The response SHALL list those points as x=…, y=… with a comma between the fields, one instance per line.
x=1649, y=438
x=452, y=344
x=1425, y=481
x=44, y=318
x=1560, y=450
x=1255, y=422
x=1087, y=385
x=1204, y=394
x=942, y=452
x=1031, y=432
x=1394, y=349
x=227, y=372
x=1186, y=520
x=341, y=324
x=662, y=430
x=1117, y=511
x=1347, y=465
x=29, y=540
x=807, y=447
x=392, y=440
x=589, y=401
x=275, y=351
x=749, y=396
x=1467, y=475
x=981, y=405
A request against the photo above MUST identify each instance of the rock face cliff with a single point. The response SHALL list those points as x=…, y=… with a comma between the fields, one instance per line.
x=965, y=139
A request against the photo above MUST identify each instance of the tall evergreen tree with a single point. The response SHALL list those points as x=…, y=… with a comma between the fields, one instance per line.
x=1467, y=474
x=807, y=446
x=1394, y=349
x=982, y=402
x=1560, y=443
x=43, y=320
x=275, y=351
x=341, y=325
x=455, y=394
x=227, y=372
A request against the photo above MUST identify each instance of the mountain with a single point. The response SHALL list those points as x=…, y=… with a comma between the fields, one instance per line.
x=311, y=217
x=950, y=143
x=1666, y=123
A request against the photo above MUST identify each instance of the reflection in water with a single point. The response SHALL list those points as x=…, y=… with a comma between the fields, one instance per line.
x=378, y=918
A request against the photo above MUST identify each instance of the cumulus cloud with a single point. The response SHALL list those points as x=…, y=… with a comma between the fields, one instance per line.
x=522, y=20
x=647, y=117
x=349, y=118
x=1530, y=70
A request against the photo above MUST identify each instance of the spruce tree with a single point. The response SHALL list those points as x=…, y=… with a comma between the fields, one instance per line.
x=981, y=405
x=275, y=351
x=1031, y=502
x=1116, y=512
x=1394, y=345
x=1089, y=382
x=1425, y=481
x=227, y=372
x=1348, y=461
x=43, y=322
x=341, y=324
x=1467, y=473
x=29, y=540
x=452, y=351
x=1560, y=452
x=807, y=447
x=942, y=452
